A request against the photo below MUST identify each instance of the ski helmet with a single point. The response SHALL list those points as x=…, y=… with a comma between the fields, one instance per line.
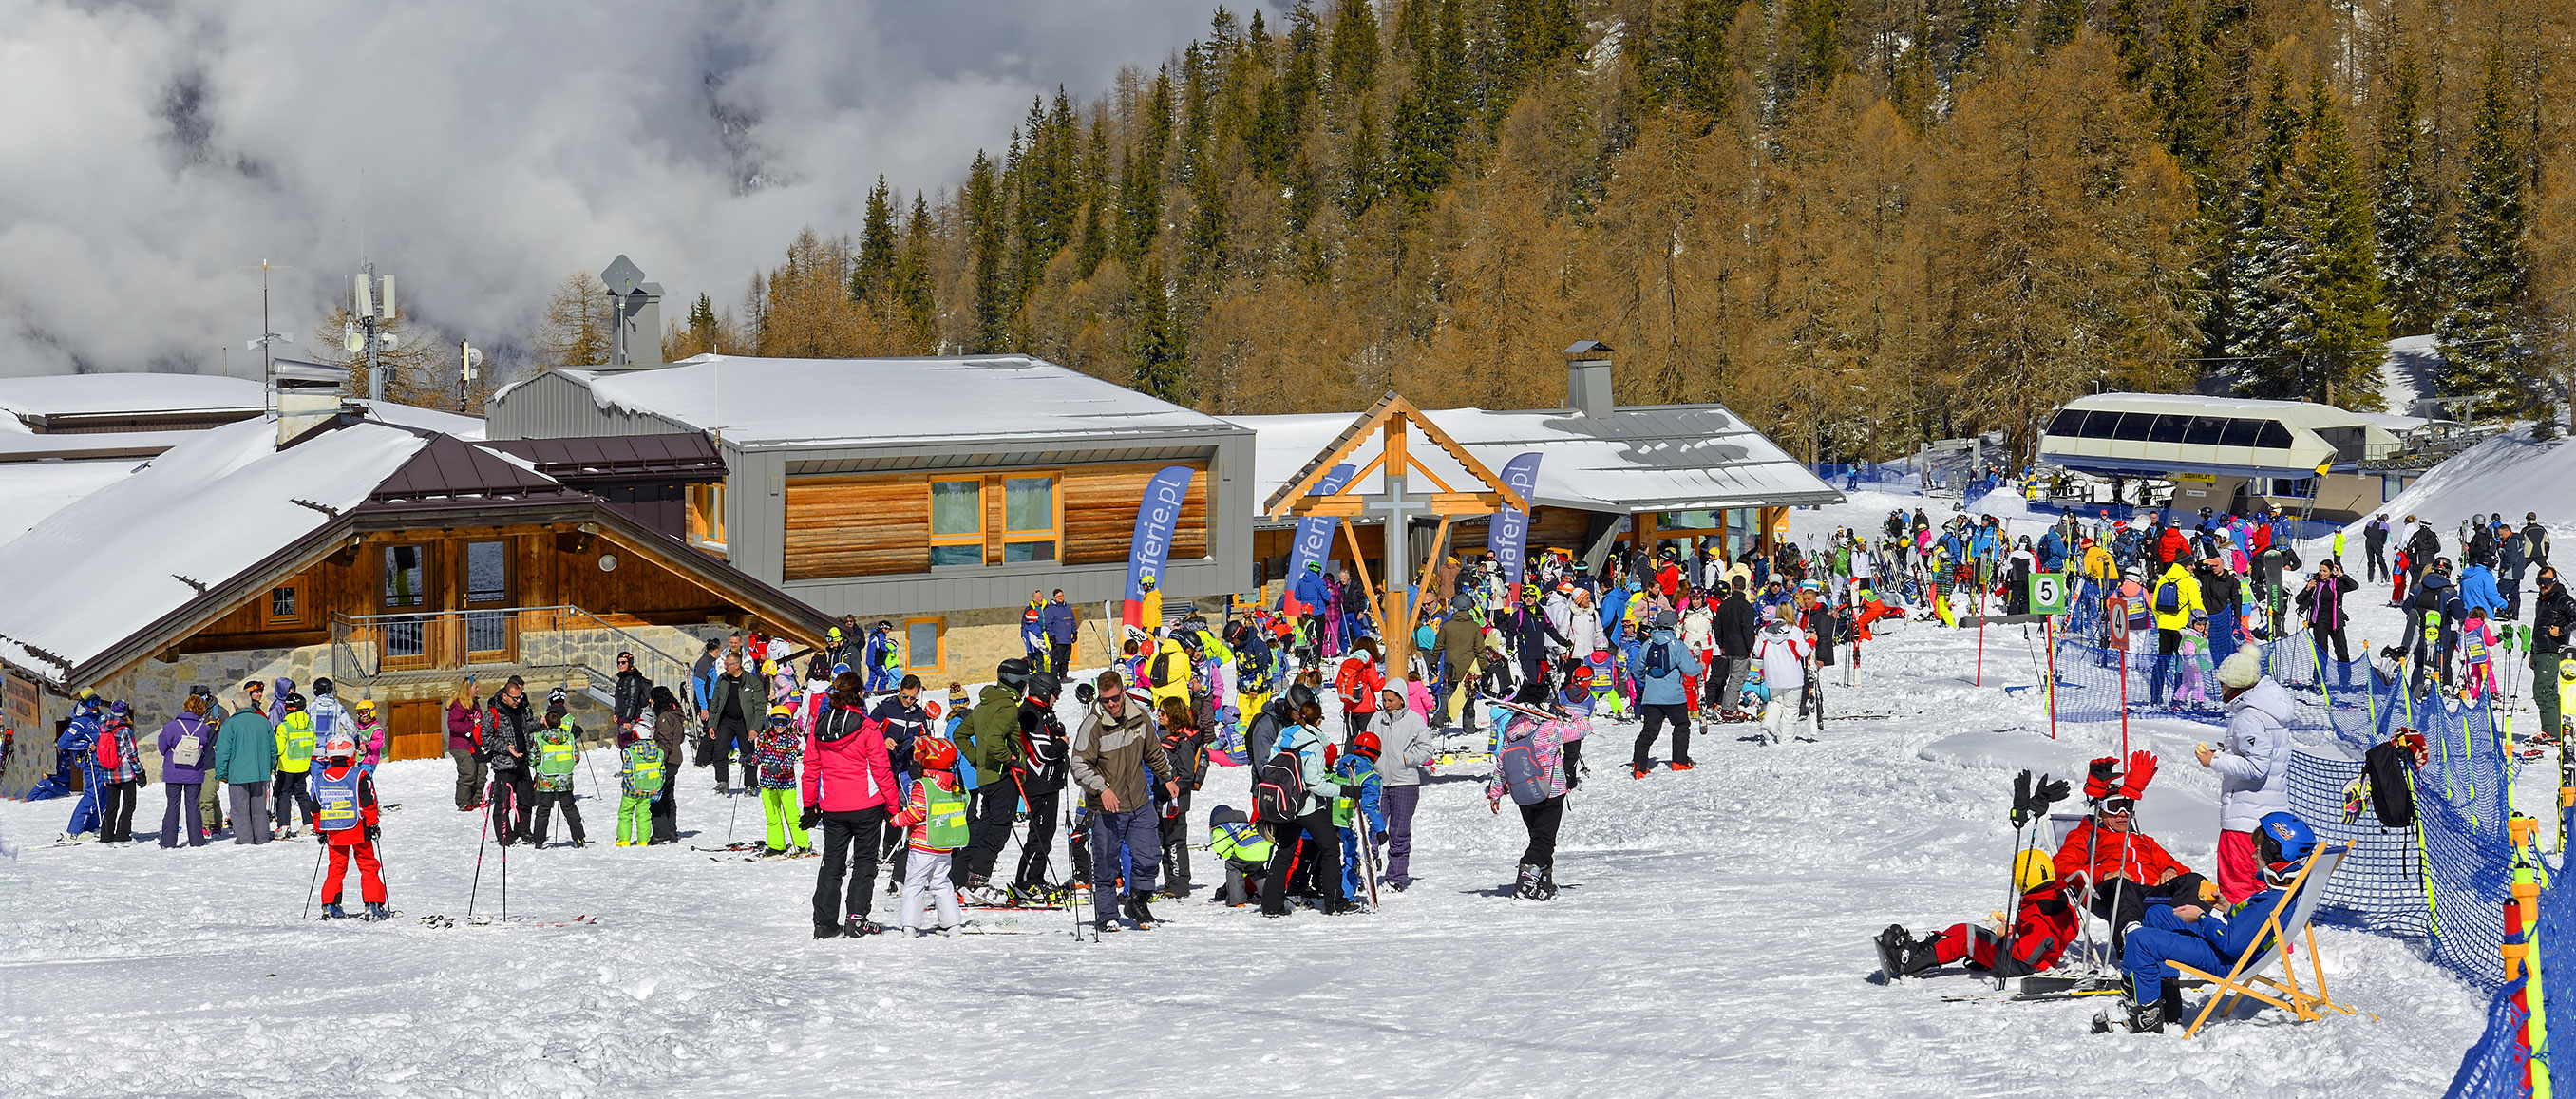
x=1043, y=686
x=322, y=685
x=366, y=707
x=2285, y=841
x=930, y=709
x=1365, y=744
x=340, y=747
x=934, y=753
x=781, y=714
x=293, y=702
x=2032, y=870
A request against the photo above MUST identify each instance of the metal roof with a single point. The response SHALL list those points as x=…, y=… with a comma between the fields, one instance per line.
x=449, y=467
x=977, y=400
x=1650, y=458
x=680, y=455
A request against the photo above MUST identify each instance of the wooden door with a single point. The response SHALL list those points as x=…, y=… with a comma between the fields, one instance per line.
x=484, y=585
x=416, y=729
x=406, y=586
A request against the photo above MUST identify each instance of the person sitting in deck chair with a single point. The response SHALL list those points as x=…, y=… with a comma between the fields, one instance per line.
x=2199, y=936
x=2113, y=865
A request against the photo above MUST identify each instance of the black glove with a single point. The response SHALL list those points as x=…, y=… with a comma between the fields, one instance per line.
x=811, y=817
x=323, y=838
x=2021, y=800
x=2049, y=792
x=373, y=831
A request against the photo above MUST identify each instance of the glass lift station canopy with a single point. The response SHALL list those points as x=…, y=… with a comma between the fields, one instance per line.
x=2160, y=434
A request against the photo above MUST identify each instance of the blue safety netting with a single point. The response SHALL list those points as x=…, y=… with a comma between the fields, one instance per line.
x=2493, y=1067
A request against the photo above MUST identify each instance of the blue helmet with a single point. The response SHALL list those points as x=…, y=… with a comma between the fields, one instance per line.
x=2285, y=841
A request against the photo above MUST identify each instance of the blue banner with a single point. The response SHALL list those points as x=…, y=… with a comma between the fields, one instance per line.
x=1156, y=514
x=1507, y=537
x=1315, y=532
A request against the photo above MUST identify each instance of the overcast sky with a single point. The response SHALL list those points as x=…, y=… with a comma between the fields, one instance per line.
x=480, y=151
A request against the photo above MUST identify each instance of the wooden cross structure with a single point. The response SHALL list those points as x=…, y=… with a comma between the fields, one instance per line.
x=1389, y=421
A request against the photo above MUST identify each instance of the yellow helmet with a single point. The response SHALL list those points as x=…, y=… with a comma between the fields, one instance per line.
x=2033, y=870
x=783, y=710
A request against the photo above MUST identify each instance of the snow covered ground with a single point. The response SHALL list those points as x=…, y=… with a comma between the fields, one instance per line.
x=1714, y=942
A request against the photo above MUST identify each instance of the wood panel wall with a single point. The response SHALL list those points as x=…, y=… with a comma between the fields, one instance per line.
x=858, y=526
x=879, y=525
x=1100, y=512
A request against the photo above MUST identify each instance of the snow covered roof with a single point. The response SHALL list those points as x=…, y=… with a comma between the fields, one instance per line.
x=148, y=545
x=124, y=394
x=2307, y=414
x=30, y=491
x=1656, y=458
x=847, y=402
x=469, y=428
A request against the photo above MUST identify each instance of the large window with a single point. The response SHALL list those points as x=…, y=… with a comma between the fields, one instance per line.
x=2134, y=426
x=2241, y=433
x=1028, y=519
x=2168, y=429
x=956, y=523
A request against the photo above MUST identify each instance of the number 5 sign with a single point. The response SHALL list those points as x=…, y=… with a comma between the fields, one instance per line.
x=2047, y=593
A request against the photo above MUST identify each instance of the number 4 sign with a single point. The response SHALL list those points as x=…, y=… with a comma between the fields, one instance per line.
x=2047, y=593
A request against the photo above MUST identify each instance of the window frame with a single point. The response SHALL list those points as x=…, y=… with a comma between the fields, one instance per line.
x=911, y=659
x=385, y=570
x=465, y=572
x=974, y=538
x=704, y=506
x=1052, y=535
x=294, y=589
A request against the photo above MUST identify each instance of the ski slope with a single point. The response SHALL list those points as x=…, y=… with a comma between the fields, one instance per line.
x=1714, y=940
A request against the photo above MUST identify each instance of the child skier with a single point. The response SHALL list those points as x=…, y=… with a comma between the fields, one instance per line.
x=294, y=766
x=778, y=749
x=2193, y=664
x=1783, y=652
x=2032, y=941
x=2195, y=935
x=345, y=796
x=1246, y=850
x=1359, y=803
x=935, y=823
x=2477, y=656
x=369, y=733
x=558, y=755
x=640, y=778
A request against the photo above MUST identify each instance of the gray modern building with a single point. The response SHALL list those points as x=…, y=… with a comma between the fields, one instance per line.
x=934, y=493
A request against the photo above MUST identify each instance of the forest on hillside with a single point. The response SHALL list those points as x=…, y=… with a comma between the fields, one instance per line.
x=1861, y=223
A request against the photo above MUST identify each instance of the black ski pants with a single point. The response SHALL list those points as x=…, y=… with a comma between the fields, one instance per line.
x=1325, y=853
x=988, y=827
x=547, y=802
x=666, y=807
x=1033, y=847
x=513, y=798
x=116, y=811
x=1542, y=820
x=849, y=841
x=1175, y=830
x=1656, y=714
x=730, y=736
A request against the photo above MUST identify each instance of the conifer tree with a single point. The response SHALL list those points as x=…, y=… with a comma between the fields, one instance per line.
x=2342, y=321
x=2267, y=253
x=2406, y=208
x=1159, y=369
x=988, y=234
x=876, y=247
x=1353, y=56
x=2480, y=333
x=913, y=291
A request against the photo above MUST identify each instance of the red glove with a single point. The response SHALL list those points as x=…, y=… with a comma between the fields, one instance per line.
x=2142, y=770
x=2098, y=778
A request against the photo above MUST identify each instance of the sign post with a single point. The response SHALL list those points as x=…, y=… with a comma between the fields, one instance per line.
x=2048, y=593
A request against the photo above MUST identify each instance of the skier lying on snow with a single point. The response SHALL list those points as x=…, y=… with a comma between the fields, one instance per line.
x=2040, y=932
x=2194, y=933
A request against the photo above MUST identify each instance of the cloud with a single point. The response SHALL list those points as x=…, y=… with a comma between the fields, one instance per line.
x=478, y=150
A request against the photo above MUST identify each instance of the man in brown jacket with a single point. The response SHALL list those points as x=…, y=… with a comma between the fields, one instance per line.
x=1460, y=641
x=1114, y=753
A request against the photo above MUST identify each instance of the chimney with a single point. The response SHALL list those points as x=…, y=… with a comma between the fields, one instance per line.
x=635, y=310
x=1587, y=379
x=307, y=396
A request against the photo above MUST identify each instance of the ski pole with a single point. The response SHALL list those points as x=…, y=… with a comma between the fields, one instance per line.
x=730, y=818
x=316, y=883
x=477, y=889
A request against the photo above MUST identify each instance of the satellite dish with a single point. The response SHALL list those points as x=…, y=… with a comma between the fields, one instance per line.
x=390, y=340
x=473, y=356
x=350, y=337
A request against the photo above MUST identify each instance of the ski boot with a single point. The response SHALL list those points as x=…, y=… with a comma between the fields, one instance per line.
x=377, y=912
x=977, y=892
x=332, y=911
x=1547, y=884
x=1134, y=909
x=1635, y=771
x=1908, y=954
x=861, y=927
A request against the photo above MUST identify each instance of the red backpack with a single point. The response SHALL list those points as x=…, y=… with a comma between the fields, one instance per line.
x=107, y=757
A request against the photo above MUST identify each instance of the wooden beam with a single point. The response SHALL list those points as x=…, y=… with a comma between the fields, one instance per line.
x=1422, y=587
x=1359, y=564
x=1447, y=504
x=1337, y=505
x=1305, y=504
x=1342, y=445
x=1465, y=458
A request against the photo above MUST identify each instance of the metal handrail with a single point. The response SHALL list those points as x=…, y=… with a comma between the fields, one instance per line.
x=674, y=672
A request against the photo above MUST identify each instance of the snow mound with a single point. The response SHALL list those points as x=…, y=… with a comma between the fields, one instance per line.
x=2003, y=503
x=2510, y=473
x=2411, y=370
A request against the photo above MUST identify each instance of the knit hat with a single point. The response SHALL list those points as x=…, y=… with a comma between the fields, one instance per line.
x=2241, y=669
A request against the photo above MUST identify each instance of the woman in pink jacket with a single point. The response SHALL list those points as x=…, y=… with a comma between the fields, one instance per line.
x=849, y=789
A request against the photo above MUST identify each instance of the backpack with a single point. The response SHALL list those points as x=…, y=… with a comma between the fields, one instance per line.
x=1348, y=683
x=1659, y=659
x=2386, y=766
x=1279, y=788
x=1522, y=776
x=2168, y=598
x=189, y=749
x=643, y=770
x=107, y=757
